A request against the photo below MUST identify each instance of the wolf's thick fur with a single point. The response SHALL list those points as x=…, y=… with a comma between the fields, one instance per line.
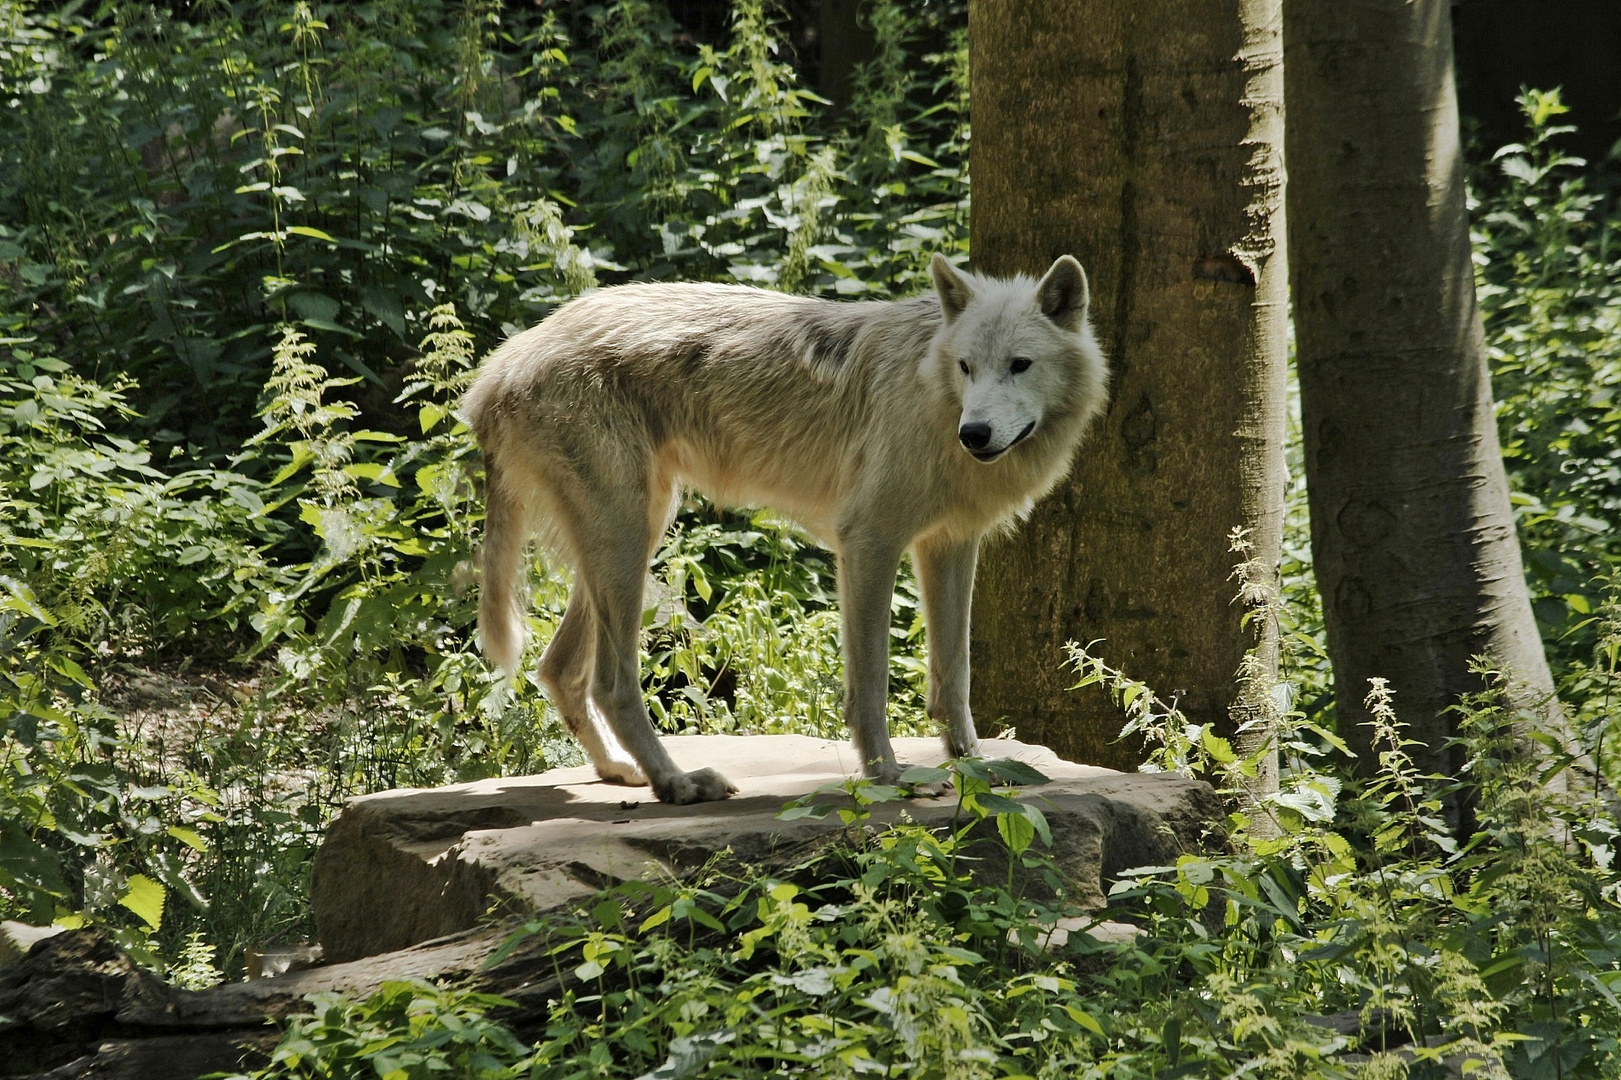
x=863, y=421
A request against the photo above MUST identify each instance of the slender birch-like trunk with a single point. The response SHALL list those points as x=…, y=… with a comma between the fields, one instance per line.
x=1412, y=532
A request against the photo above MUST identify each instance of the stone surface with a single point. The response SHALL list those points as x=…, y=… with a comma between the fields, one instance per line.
x=1112, y=933
x=401, y=867
x=77, y=1007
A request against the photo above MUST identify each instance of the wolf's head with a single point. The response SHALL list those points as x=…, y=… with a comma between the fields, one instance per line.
x=1018, y=354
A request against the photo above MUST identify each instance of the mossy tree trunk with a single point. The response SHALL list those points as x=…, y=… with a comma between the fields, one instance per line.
x=1146, y=138
x=1412, y=533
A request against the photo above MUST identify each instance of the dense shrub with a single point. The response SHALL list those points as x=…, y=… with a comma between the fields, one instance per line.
x=1345, y=932
x=1549, y=279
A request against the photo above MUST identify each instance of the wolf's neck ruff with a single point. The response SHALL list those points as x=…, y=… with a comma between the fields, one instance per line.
x=858, y=419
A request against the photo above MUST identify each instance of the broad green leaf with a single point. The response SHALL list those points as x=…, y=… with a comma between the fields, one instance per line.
x=1016, y=830
x=1216, y=746
x=1083, y=1018
x=1013, y=771
x=373, y=471
x=188, y=836
x=145, y=898
x=992, y=803
x=975, y=768
x=1039, y=820
x=808, y=810
x=302, y=456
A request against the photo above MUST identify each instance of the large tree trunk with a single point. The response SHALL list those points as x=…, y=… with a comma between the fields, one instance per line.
x=1145, y=138
x=1412, y=533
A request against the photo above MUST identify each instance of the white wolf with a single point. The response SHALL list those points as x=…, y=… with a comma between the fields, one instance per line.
x=882, y=427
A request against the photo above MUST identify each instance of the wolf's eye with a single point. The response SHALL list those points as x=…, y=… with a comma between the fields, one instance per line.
x=964, y=365
x=1020, y=363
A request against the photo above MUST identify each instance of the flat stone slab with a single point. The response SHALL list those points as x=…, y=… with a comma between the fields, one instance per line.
x=402, y=867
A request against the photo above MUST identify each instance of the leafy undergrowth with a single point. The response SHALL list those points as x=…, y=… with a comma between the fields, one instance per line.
x=1341, y=932
x=1548, y=257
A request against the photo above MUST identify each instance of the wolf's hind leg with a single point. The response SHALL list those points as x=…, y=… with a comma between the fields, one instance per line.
x=613, y=567
x=945, y=570
x=565, y=671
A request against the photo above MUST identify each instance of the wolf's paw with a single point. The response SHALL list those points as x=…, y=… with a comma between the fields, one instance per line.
x=704, y=785
x=615, y=771
x=961, y=739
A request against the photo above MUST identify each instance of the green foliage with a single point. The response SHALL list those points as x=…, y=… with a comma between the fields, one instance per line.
x=1486, y=945
x=405, y=1029
x=1495, y=955
x=1548, y=267
x=96, y=529
x=90, y=535
x=173, y=189
x=878, y=957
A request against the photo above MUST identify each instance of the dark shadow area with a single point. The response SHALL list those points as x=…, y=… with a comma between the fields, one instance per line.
x=1504, y=45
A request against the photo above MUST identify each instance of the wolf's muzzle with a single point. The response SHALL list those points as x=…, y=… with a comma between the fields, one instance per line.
x=988, y=456
x=974, y=436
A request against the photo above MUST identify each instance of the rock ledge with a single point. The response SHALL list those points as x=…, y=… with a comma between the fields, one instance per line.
x=403, y=867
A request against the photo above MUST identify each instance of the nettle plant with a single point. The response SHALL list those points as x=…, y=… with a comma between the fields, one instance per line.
x=1451, y=922
x=90, y=536
x=885, y=954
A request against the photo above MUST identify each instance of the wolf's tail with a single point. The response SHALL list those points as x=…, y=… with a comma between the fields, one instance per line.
x=500, y=622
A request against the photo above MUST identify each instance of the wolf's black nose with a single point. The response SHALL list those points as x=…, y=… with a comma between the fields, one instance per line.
x=974, y=436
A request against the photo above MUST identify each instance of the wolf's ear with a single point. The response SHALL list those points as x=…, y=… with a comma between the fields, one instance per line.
x=952, y=287
x=1063, y=293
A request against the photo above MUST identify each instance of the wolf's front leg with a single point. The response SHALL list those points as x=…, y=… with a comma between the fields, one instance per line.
x=945, y=570
x=867, y=567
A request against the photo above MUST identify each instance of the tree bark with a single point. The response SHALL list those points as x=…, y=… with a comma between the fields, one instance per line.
x=1146, y=138
x=1412, y=533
